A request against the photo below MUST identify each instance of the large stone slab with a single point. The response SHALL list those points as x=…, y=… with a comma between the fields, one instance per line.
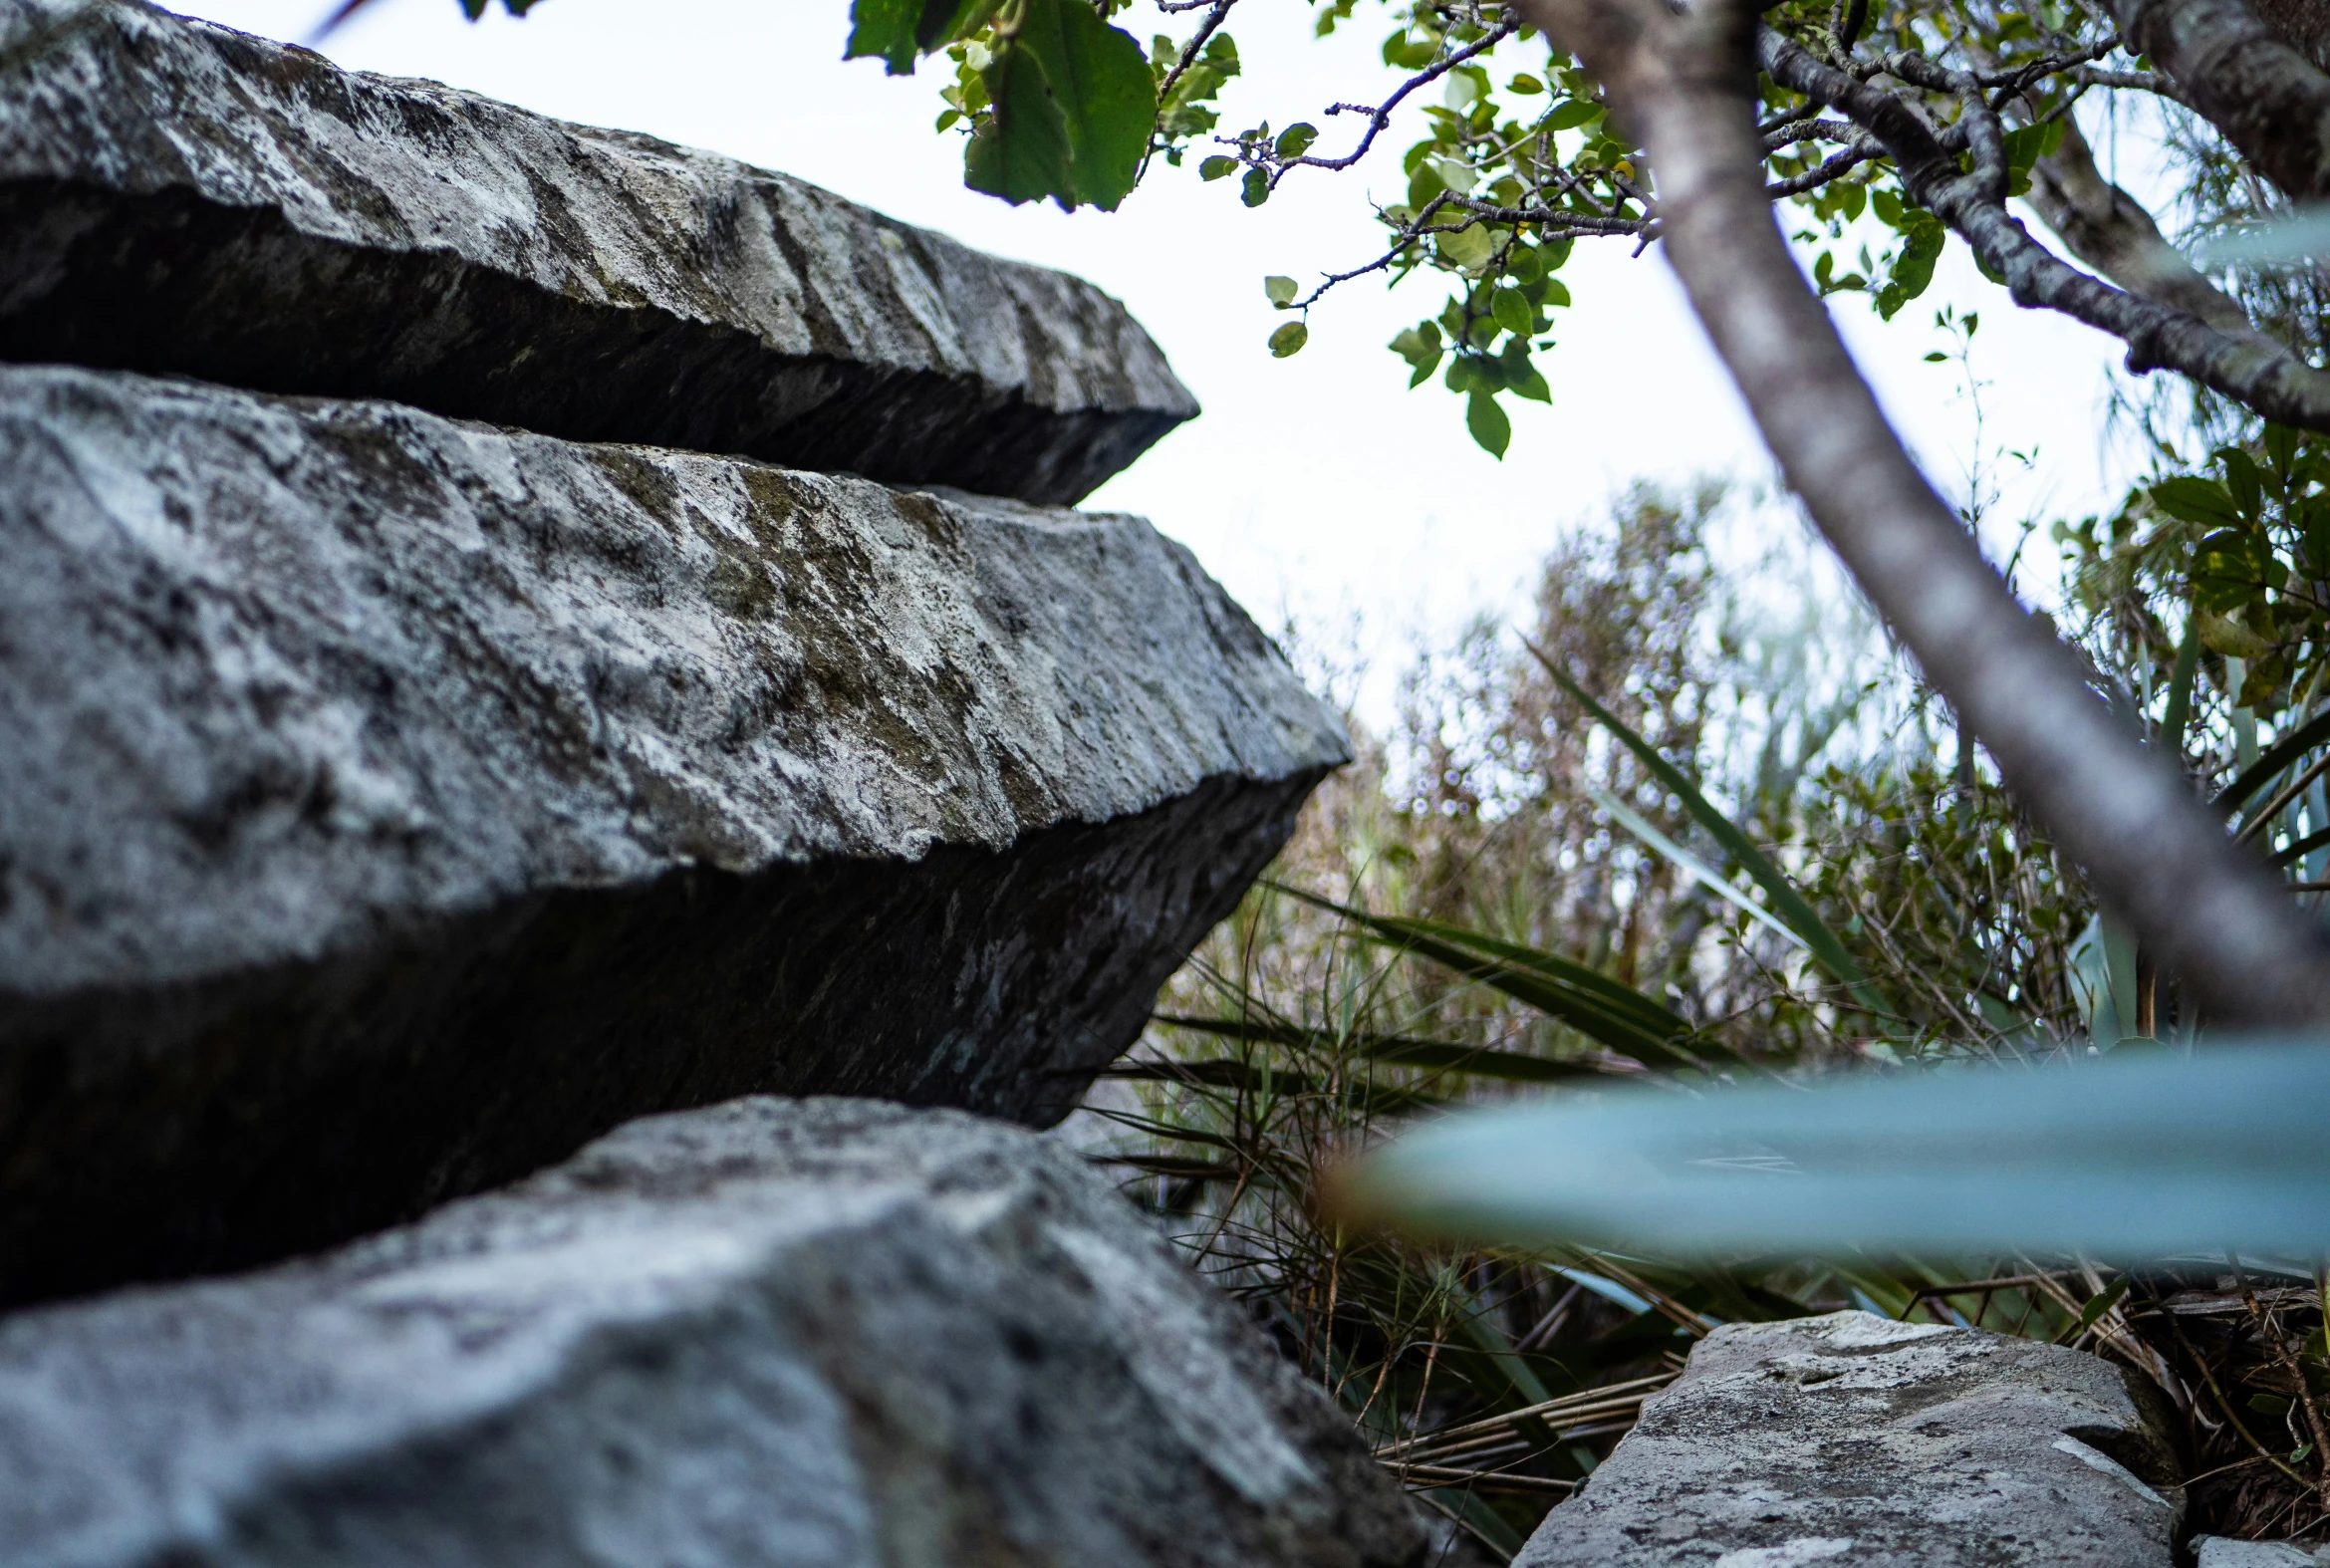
x=387, y=804
x=1857, y=1441
x=821, y=1334
x=176, y=197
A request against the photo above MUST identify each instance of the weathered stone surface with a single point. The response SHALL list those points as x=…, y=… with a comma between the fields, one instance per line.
x=176, y=197
x=2217, y=1551
x=387, y=804
x=805, y=1334
x=1854, y=1439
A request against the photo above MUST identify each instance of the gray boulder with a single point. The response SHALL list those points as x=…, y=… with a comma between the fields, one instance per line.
x=176, y=197
x=1855, y=1439
x=388, y=805
x=819, y=1334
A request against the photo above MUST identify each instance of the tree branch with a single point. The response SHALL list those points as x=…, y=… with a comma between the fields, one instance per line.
x=2104, y=226
x=2247, y=367
x=2268, y=99
x=1683, y=86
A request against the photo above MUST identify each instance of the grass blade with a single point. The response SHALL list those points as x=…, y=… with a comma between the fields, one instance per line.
x=1398, y=1050
x=1593, y=1004
x=2279, y=756
x=1692, y=865
x=1787, y=903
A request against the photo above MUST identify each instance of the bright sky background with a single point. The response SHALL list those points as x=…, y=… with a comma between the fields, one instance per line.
x=1316, y=487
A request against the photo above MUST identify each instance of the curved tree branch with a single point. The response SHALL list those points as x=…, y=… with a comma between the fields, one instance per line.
x=2247, y=367
x=2104, y=227
x=2270, y=101
x=1683, y=86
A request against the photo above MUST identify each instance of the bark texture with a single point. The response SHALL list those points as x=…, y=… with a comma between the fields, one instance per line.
x=2109, y=229
x=176, y=197
x=389, y=804
x=2271, y=101
x=776, y=1334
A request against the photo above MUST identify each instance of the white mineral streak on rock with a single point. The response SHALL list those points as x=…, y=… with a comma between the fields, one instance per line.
x=1854, y=1439
x=176, y=197
x=774, y=1333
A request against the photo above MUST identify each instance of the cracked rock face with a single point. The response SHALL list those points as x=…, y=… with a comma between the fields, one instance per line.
x=178, y=198
x=1855, y=1439
x=388, y=805
x=800, y=1334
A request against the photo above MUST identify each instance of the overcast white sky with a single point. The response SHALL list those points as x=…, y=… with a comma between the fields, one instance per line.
x=1316, y=486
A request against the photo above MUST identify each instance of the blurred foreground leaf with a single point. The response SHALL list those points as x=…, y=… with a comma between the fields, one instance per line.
x=2133, y=1155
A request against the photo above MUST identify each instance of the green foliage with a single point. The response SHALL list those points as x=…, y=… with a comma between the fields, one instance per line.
x=899, y=31
x=1501, y=178
x=1058, y=103
x=2240, y=552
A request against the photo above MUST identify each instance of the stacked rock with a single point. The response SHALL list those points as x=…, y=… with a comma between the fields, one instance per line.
x=505, y=629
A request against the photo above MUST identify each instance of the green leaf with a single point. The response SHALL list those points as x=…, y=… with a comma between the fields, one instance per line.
x=1075, y=102
x=1021, y=153
x=1256, y=188
x=1468, y=248
x=1289, y=340
x=2230, y=568
x=2199, y=501
x=2102, y=1302
x=1280, y=290
x=1512, y=311
x=2229, y=637
x=1217, y=167
x=2145, y=1156
x=898, y=30
x=1572, y=114
x=1409, y=54
x=1786, y=902
x=1296, y=140
x=876, y=26
x=1489, y=424
x=1556, y=294
x=1526, y=85
x=1912, y=269
x=2245, y=483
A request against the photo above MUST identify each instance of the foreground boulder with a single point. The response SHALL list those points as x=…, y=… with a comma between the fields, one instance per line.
x=176, y=197
x=388, y=805
x=819, y=1334
x=1860, y=1441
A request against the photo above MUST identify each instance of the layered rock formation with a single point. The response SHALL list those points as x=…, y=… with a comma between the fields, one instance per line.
x=1855, y=1439
x=812, y=1334
x=176, y=197
x=390, y=804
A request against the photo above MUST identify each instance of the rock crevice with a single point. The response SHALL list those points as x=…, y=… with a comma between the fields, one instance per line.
x=819, y=1334
x=178, y=198
x=387, y=804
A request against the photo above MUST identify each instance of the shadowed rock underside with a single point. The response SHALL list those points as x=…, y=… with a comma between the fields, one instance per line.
x=178, y=198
